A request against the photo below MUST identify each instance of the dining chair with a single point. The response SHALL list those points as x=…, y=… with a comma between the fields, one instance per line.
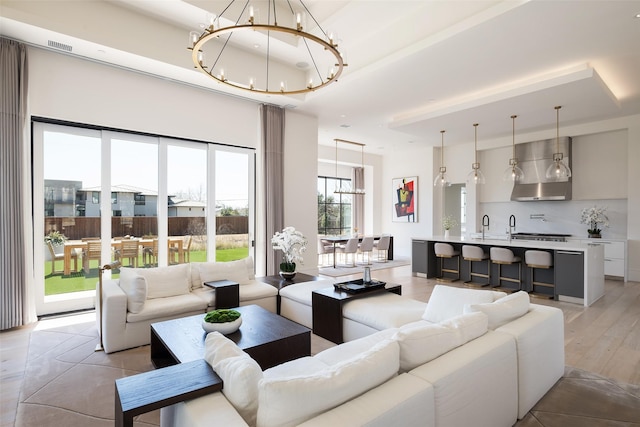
x=324, y=249
x=351, y=247
x=366, y=247
x=382, y=248
x=92, y=252
x=128, y=249
x=57, y=254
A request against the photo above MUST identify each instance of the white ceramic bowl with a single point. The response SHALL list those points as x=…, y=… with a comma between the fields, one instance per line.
x=224, y=328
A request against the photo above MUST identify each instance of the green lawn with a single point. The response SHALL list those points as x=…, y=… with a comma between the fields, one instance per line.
x=76, y=282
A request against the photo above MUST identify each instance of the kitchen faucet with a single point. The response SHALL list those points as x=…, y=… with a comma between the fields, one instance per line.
x=485, y=223
x=512, y=226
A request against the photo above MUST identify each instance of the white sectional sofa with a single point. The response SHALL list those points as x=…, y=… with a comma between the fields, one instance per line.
x=142, y=296
x=473, y=357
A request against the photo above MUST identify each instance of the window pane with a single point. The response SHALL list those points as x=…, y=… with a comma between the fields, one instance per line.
x=134, y=177
x=70, y=217
x=232, y=205
x=187, y=192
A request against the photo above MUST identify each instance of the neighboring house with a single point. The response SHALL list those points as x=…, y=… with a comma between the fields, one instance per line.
x=60, y=197
x=185, y=208
x=126, y=200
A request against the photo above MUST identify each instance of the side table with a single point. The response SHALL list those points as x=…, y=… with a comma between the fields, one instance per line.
x=278, y=282
x=326, y=306
x=227, y=293
x=141, y=393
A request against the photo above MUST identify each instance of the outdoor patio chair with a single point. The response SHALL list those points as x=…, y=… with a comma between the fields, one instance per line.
x=57, y=254
x=128, y=249
x=150, y=253
x=174, y=251
x=92, y=252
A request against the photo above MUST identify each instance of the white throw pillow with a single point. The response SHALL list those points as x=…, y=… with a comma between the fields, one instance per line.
x=135, y=286
x=467, y=327
x=421, y=342
x=503, y=310
x=239, y=372
x=166, y=281
x=447, y=302
x=236, y=271
x=289, y=401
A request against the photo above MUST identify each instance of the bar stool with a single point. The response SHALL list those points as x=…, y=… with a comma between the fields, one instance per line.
x=476, y=254
x=445, y=250
x=504, y=256
x=539, y=259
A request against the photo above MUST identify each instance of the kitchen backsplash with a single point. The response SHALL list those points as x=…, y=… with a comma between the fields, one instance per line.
x=558, y=217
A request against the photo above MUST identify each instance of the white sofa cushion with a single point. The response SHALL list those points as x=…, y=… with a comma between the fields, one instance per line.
x=236, y=271
x=502, y=310
x=385, y=310
x=135, y=286
x=337, y=354
x=288, y=401
x=447, y=301
x=165, y=281
x=162, y=308
x=301, y=292
x=422, y=341
x=239, y=373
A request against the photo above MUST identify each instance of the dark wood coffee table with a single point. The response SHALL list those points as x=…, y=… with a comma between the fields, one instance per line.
x=268, y=338
x=326, y=306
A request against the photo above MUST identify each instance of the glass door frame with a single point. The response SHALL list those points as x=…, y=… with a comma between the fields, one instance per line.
x=83, y=300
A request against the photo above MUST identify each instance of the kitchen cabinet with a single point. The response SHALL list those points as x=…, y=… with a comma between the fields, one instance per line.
x=569, y=274
x=419, y=255
x=615, y=254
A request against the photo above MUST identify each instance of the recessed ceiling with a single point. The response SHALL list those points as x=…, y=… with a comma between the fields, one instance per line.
x=415, y=67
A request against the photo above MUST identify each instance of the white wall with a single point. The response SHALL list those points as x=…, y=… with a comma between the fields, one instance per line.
x=67, y=88
x=398, y=164
x=300, y=182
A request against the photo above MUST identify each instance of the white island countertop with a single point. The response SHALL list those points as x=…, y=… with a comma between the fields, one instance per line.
x=593, y=258
x=516, y=243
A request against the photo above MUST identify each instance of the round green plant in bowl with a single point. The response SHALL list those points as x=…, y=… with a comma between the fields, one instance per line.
x=225, y=321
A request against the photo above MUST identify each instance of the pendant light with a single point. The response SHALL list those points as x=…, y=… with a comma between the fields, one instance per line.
x=513, y=172
x=441, y=178
x=558, y=170
x=475, y=176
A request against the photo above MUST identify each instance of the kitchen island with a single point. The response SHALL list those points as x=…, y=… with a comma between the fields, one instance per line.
x=577, y=274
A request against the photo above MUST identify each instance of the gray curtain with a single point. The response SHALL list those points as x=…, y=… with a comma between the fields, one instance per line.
x=272, y=124
x=13, y=102
x=358, y=201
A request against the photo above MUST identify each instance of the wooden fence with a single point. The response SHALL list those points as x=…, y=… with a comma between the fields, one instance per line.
x=75, y=228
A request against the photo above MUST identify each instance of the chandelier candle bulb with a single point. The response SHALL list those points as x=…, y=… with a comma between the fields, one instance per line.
x=211, y=18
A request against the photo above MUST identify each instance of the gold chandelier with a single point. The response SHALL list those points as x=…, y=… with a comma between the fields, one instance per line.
x=266, y=37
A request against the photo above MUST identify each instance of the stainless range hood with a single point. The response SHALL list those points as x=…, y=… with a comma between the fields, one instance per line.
x=534, y=158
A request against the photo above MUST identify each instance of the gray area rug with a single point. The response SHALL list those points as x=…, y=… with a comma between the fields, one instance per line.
x=68, y=384
x=342, y=270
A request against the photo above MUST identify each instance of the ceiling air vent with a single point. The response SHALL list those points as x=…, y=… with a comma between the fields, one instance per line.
x=61, y=46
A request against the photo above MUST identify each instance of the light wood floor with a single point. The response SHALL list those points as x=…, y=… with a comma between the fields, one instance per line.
x=603, y=338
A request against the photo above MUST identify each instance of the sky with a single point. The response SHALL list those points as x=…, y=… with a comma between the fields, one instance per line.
x=77, y=158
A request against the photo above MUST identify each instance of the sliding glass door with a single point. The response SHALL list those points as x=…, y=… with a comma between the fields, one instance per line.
x=143, y=201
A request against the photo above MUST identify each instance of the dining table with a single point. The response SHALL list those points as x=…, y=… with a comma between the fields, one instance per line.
x=71, y=245
x=336, y=240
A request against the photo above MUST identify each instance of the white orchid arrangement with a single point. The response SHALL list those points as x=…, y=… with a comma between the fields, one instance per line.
x=594, y=216
x=448, y=222
x=291, y=242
